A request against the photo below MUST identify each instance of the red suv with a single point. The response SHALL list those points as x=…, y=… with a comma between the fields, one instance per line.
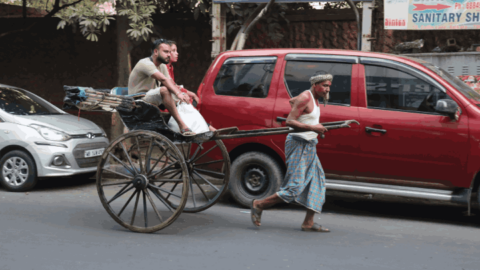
x=419, y=133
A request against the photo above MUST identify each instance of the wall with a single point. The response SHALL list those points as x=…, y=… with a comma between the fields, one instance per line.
x=44, y=59
x=308, y=29
x=387, y=39
x=337, y=29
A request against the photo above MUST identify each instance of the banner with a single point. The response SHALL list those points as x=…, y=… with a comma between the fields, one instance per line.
x=432, y=14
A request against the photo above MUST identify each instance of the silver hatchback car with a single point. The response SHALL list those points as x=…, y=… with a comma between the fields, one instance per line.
x=39, y=140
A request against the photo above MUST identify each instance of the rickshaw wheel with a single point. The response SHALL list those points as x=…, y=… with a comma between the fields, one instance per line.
x=150, y=167
x=209, y=172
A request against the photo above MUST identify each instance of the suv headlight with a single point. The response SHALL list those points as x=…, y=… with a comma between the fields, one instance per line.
x=51, y=134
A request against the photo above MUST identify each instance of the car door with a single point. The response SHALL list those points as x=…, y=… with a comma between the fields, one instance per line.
x=338, y=150
x=403, y=137
x=240, y=94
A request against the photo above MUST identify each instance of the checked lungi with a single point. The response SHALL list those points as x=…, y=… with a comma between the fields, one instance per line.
x=304, y=182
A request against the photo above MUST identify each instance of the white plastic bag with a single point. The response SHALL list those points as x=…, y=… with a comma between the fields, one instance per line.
x=191, y=117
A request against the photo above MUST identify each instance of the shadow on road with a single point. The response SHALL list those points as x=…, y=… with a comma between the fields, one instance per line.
x=59, y=183
x=388, y=207
x=398, y=208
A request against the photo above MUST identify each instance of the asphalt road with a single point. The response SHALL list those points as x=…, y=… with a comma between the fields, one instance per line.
x=62, y=225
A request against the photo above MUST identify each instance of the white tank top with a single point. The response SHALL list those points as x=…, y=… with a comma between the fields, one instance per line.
x=312, y=118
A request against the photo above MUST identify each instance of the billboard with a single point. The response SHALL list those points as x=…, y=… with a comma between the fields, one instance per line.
x=431, y=14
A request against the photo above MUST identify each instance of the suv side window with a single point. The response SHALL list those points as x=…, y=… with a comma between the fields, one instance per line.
x=392, y=89
x=298, y=73
x=245, y=77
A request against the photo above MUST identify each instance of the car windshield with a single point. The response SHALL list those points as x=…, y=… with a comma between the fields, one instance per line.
x=466, y=90
x=20, y=102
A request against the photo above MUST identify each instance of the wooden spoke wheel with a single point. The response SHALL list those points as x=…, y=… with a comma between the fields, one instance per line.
x=209, y=172
x=143, y=181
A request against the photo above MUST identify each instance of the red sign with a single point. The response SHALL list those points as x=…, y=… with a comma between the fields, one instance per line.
x=420, y=7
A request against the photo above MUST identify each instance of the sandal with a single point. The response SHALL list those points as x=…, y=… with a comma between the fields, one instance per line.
x=256, y=215
x=315, y=228
x=187, y=132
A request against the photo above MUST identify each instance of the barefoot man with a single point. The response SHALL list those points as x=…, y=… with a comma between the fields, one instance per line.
x=304, y=181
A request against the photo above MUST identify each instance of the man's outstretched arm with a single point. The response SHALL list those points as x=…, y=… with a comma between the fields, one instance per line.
x=170, y=86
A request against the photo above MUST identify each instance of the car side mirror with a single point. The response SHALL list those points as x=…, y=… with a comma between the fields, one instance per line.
x=448, y=107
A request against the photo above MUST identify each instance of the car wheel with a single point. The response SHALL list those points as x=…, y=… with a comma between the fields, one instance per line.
x=254, y=175
x=18, y=171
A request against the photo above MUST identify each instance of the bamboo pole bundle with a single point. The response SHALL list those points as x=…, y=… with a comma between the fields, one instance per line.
x=95, y=99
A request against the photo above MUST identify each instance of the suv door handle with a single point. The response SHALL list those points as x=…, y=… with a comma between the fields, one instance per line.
x=369, y=129
x=281, y=119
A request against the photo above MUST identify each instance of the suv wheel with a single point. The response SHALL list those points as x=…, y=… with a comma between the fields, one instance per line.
x=18, y=171
x=255, y=175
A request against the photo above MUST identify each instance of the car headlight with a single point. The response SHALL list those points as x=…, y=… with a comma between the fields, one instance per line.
x=51, y=134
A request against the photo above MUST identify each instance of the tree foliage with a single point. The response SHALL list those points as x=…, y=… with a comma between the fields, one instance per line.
x=93, y=19
x=241, y=12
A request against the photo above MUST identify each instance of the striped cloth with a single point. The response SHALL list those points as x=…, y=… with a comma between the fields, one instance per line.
x=304, y=182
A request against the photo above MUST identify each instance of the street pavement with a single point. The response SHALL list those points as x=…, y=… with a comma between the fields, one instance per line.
x=62, y=225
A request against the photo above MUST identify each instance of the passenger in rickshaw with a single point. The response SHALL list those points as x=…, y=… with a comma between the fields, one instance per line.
x=147, y=76
x=171, y=74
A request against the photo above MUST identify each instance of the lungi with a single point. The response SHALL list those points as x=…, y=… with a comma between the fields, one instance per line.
x=304, y=181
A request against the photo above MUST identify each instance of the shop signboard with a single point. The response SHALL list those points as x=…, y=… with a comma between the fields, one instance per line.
x=432, y=14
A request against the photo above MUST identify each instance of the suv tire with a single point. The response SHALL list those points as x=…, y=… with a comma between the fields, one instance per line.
x=254, y=175
x=18, y=166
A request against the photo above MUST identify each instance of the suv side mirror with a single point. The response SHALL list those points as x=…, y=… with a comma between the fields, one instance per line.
x=448, y=107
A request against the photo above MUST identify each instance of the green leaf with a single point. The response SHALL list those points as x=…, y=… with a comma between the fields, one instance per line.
x=61, y=24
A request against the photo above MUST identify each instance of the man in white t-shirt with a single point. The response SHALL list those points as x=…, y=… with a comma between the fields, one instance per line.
x=148, y=77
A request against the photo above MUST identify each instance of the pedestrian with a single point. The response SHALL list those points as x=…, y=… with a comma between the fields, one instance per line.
x=304, y=181
x=147, y=77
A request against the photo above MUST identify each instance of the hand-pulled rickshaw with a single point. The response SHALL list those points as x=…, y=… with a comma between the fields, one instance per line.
x=148, y=176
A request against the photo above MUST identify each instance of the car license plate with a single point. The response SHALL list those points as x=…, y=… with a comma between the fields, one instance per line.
x=94, y=152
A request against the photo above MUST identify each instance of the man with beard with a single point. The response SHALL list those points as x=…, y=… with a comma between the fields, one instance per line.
x=304, y=181
x=147, y=77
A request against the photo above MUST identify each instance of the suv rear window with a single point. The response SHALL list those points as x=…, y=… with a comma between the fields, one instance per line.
x=245, y=77
x=298, y=73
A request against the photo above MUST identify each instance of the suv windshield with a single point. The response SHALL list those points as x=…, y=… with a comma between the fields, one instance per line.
x=20, y=102
x=466, y=90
